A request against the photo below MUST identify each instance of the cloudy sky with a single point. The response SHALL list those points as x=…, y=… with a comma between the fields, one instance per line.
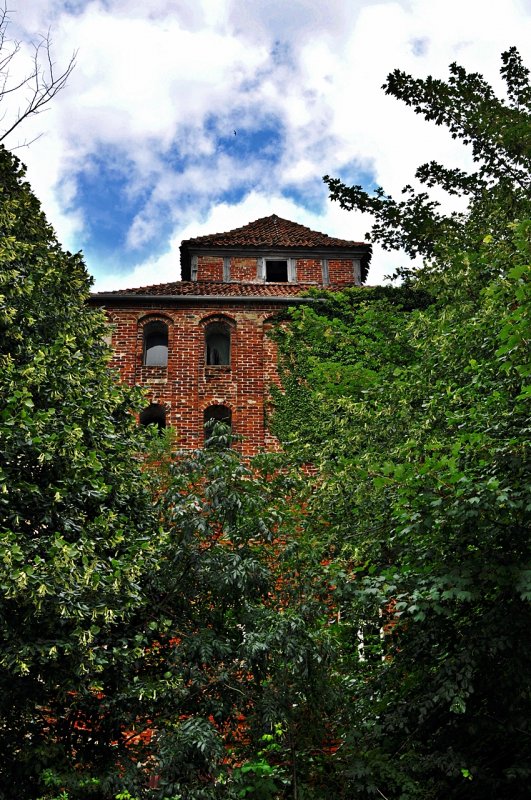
x=186, y=117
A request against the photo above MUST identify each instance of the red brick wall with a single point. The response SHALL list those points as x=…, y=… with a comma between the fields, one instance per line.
x=340, y=271
x=309, y=270
x=188, y=386
x=209, y=268
x=243, y=269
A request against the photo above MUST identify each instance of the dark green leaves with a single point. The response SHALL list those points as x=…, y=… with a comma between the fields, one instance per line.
x=76, y=508
x=422, y=489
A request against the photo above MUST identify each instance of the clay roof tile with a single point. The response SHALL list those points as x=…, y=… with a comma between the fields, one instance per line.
x=213, y=289
x=272, y=232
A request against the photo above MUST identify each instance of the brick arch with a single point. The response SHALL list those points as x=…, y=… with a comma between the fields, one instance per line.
x=270, y=320
x=155, y=316
x=216, y=400
x=156, y=399
x=214, y=324
x=217, y=317
x=275, y=317
x=142, y=322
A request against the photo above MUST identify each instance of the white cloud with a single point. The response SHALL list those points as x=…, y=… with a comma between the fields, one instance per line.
x=149, y=80
x=225, y=217
x=158, y=83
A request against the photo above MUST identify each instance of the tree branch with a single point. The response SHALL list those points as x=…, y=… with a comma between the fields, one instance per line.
x=43, y=81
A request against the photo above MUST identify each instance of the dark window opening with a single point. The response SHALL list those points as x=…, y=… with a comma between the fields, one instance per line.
x=156, y=344
x=214, y=414
x=154, y=414
x=217, y=341
x=276, y=271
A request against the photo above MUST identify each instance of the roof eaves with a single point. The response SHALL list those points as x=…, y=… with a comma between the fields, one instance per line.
x=104, y=298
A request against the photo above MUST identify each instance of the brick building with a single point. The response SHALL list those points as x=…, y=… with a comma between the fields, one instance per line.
x=199, y=346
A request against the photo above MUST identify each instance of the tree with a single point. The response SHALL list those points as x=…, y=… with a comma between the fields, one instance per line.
x=230, y=655
x=157, y=635
x=77, y=523
x=499, y=134
x=41, y=83
x=423, y=478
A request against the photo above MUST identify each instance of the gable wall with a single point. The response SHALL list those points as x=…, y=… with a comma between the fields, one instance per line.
x=244, y=269
x=210, y=268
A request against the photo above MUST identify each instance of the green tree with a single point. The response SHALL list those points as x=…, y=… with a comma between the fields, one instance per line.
x=157, y=634
x=229, y=657
x=423, y=473
x=77, y=525
x=498, y=132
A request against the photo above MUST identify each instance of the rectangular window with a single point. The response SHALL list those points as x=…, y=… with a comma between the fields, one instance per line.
x=276, y=271
x=226, y=269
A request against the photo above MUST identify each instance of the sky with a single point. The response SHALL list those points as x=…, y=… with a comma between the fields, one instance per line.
x=190, y=117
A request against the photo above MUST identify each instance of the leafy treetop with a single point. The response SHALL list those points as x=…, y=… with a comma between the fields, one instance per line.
x=499, y=133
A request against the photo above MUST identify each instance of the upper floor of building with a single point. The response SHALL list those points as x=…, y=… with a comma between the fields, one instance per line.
x=201, y=346
x=272, y=250
x=268, y=258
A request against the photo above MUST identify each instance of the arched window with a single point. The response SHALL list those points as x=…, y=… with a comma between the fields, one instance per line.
x=154, y=414
x=217, y=344
x=156, y=344
x=214, y=414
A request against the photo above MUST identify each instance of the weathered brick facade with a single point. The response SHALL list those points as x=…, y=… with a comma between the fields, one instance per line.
x=234, y=285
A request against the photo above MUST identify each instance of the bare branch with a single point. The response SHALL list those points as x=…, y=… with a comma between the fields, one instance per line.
x=43, y=81
x=25, y=143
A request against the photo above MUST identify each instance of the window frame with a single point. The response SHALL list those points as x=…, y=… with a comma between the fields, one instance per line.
x=291, y=264
x=153, y=324
x=220, y=327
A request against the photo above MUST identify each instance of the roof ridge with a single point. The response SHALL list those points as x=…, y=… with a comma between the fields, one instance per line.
x=272, y=230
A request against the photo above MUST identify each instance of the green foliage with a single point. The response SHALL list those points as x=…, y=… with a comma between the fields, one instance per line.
x=221, y=648
x=192, y=626
x=336, y=350
x=417, y=418
x=76, y=518
x=154, y=622
x=222, y=655
x=259, y=779
x=498, y=133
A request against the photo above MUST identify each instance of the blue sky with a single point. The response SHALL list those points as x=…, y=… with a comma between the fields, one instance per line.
x=186, y=117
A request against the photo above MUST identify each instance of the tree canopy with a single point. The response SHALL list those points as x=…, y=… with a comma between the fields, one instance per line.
x=414, y=404
x=498, y=132
x=76, y=516
x=154, y=623
x=189, y=625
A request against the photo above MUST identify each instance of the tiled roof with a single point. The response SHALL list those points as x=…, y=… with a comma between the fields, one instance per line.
x=273, y=232
x=214, y=289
